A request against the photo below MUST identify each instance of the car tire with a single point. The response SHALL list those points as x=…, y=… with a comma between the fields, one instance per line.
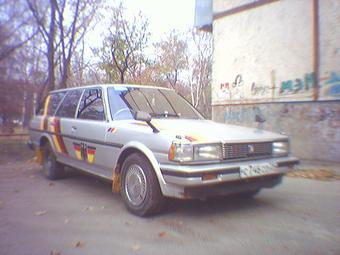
x=139, y=186
x=52, y=168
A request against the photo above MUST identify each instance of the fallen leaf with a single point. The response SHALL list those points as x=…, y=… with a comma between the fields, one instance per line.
x=128, y=223
x=89, y=208
x=162, y=234
x=55, y=252
x=51, y=184
x=16, y=191
x=315, y=174
x=135, y=247
x=40, y=213
x=1, y=204
x=78, y=244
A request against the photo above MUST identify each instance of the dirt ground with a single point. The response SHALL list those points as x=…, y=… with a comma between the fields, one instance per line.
x=80, y=215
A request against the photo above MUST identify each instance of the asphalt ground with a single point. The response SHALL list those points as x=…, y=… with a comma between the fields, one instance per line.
x=80, y=215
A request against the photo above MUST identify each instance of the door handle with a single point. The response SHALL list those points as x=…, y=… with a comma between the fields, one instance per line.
x=74, y=128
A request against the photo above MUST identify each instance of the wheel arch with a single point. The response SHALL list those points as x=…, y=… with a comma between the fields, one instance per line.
x=128, y=149
x=44, y=139
x=39, y=148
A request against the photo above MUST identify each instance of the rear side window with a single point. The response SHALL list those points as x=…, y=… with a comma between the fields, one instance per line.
x=91, y=105
x=51, y=103
x=69, y=105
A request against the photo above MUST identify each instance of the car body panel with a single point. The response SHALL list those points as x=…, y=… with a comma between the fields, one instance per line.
x=97, y=147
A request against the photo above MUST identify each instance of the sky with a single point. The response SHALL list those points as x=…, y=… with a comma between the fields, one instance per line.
x=163, y=16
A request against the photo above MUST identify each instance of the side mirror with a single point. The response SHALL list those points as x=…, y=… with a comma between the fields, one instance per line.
x=142, y=116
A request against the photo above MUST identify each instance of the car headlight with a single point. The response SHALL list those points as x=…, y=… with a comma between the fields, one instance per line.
x=280, y=148
x=185, y=152
x=181, y=152
x=207, y=152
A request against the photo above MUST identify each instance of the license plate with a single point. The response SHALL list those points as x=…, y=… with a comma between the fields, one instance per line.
x=256, y=170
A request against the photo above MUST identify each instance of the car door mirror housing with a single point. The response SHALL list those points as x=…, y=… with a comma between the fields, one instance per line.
x=142, y=116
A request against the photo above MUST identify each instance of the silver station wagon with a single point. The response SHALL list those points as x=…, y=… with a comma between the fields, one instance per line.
x=151, y=144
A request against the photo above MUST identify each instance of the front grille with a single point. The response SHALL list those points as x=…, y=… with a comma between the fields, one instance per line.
x=246, y=150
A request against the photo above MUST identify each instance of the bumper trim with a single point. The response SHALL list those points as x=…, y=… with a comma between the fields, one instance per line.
x=200, y=174
x=189, y=176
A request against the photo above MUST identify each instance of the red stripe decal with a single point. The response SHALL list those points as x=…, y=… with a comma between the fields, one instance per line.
x=191, y=139
x=45, y=123
x=59, y=137
x=91, y=150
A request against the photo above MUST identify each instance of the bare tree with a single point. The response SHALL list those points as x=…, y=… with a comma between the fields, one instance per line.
x=122, y=55
x=15, y=27
x=199, y=76
x=172, y=57
x=62, y=24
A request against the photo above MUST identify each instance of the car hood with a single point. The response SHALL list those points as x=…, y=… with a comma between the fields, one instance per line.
x=209, y=131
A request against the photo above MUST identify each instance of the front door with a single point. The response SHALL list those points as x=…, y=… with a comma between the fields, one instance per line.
x=88, y=133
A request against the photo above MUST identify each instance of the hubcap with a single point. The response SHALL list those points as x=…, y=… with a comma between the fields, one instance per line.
x=135, y=185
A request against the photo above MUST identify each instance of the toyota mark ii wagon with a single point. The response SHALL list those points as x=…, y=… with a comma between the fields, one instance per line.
x=151, y=144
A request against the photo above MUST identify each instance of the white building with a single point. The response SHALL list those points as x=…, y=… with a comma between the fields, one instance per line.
x=279, y=59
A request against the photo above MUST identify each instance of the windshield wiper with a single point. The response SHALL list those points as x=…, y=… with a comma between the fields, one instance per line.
x=165, y=114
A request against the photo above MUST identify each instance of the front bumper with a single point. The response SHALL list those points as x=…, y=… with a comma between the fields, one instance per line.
x=202, y=175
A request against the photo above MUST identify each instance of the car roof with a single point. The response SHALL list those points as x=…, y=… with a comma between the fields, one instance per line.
x=109, y=85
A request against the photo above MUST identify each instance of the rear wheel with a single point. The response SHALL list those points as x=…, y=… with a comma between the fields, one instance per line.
x=139, y=186
x=53, y=169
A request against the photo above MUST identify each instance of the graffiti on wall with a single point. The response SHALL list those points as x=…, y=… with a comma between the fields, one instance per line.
x=298, y=88
x=298, y=85
x=234, y=89
x=331, y=84
x=242, y=114
x=238, y=89
x=260, y=89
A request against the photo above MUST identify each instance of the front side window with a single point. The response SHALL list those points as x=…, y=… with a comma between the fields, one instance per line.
x=69, y=105
x=91, y=105
x=51, y=103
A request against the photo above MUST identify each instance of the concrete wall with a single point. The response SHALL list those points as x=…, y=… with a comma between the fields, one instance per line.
x=280, y=58
x=314, y=128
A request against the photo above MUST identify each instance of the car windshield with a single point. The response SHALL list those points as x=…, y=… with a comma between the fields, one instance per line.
x=159, y=103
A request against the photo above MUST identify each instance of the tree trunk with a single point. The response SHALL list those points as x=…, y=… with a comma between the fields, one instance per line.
x=122, y=81
x=50, y=48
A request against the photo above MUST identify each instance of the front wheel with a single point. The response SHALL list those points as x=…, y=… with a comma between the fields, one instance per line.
x=139, y=186
x=53, y=169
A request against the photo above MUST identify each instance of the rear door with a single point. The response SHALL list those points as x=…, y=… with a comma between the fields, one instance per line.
x=64, y=120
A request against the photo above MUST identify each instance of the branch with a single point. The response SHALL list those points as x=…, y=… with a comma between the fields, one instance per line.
x=8, y=52
x=39, y=21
